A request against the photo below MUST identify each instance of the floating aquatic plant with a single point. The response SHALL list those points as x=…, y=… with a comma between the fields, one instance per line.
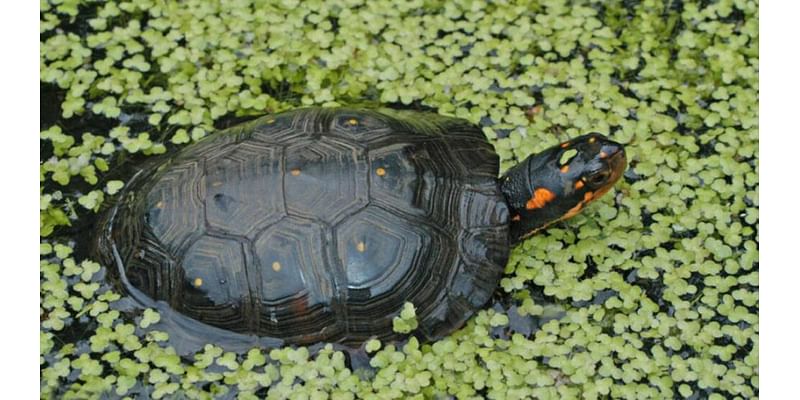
x=652, y=292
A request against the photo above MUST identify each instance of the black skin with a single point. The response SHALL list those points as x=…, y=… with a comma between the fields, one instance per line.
x=592, y=171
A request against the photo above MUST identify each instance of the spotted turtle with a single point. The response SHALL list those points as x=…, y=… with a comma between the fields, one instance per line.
x=318, y=224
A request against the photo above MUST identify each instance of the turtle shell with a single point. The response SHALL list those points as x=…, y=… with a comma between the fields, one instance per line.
x=317, y=225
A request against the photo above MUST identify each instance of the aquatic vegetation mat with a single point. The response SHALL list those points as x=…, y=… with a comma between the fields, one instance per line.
x=651, y=293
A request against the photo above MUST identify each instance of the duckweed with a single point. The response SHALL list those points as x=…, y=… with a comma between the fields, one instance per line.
x=652, y=292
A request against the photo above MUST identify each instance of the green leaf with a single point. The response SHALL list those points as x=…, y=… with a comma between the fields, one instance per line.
x=228, y=360
x=45, y=249
x=157, y=376
x=162, y=389
x=89, y=269
x=149, y=317
x=71, y=268
x=107, y=318
x=255, y=358
x=180, y=137
x=157, y=336
x=86, y=289
x=112, y=187
x=498, y=320
x=154, y=119
x=408, y=312
x=62, y=251
x=91, y=200
x=124, y=384
x=406, y=321
x=373, y=345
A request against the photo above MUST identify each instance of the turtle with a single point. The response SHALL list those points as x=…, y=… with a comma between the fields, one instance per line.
x=320, y=224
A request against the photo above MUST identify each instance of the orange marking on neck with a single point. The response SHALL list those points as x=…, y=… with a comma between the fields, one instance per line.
x=603, y=154
x=565, y=169
x=587, y=197
x=540, y=197
x=603, y=190
x=572, y=211
x=564, y=145
x=578, y=184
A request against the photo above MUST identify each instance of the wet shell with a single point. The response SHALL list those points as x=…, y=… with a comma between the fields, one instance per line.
x=317, y=225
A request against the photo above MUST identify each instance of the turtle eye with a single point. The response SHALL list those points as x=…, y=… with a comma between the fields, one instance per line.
x=597, y=178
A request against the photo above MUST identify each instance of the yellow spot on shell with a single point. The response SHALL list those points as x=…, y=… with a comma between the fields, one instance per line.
x=361, y=247
x=216, y=183
x=592, y=139
x=276, y=266
x=198, y=282
x=352, y=122
x=295, y=172
x=271, y=120
x=380, y=171
x=160, y=204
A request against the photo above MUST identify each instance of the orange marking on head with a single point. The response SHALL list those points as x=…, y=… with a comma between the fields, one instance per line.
x=516, y=218
x=380, y=171
x=603, y=154
x=541, y=196
x=565, y=169
x=295, y=172
x=564, y=145
x=578, y=184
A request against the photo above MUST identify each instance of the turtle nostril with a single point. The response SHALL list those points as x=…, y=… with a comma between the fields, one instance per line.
x=610, y=149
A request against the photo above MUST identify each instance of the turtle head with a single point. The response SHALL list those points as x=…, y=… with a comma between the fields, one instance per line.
x=559, y=182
